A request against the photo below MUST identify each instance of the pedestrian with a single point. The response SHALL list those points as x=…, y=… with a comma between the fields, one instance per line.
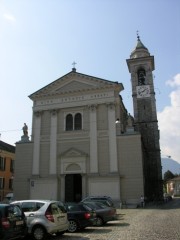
x=142, y=201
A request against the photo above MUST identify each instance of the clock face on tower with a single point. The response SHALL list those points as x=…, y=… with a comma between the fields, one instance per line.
x=143, y=91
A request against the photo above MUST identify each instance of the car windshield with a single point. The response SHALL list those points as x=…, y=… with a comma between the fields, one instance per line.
x=104, y=201
x=13, y=211
x=62, y=207
x=72, y=207
x=31, y=206
x=89, y=208
x=96, y=205
x=55, y=209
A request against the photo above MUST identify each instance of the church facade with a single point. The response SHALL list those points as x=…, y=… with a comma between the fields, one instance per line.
x=84, y=142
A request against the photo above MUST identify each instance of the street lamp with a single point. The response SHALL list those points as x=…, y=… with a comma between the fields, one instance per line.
x=117, y=121
x=118, y=126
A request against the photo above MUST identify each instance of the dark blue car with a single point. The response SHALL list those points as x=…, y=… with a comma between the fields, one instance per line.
x=104, y=213
x=12, y=222
x=80, y=216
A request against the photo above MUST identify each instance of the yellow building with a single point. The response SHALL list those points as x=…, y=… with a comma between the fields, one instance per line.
x=173, y=186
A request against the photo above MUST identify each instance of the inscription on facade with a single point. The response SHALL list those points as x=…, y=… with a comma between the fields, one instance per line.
x=73, y=99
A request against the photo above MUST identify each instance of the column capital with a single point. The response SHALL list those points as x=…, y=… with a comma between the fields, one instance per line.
x=37, y=113
x=53, y=112
x=92, y=107
x=111, y=106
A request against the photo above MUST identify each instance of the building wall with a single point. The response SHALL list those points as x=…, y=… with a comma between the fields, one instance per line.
x=124, y=185
x=103, y=155
x=23, y=170
x=7, y=173
x=173, y=187
x=130, y=167
x=104, y=185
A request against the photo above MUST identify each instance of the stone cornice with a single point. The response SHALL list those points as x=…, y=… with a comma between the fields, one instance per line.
x=75, y=83
x=73, y=101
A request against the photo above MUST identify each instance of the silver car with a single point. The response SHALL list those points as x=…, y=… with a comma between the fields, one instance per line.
x=44, y=217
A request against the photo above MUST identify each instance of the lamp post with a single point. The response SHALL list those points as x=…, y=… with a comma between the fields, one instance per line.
x=118, y=126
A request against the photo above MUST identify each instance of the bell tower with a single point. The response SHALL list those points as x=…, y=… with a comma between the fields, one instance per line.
x=141, y=66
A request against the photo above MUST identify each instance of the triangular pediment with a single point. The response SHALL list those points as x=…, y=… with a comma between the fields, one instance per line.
x=72, y=152
x=74, y=82
x=73, y=86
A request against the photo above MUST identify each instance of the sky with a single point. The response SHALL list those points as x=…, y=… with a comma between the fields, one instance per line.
x=40, y=39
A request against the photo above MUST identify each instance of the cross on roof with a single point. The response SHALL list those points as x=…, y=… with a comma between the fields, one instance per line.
x=137, y=34
x=74, y=64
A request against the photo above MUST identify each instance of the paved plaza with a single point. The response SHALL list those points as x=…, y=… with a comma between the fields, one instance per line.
x=151, y=223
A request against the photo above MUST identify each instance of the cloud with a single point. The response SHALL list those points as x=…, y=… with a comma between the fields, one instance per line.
x=169, y=122
x=175, y=81
x=9, y=17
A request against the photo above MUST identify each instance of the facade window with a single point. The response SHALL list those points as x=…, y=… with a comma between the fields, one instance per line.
x=2, y=164
x=2, y=183
x=78, y=121
x=11, y=183
x=73, y=122
x=69, y=122
x=12, y=166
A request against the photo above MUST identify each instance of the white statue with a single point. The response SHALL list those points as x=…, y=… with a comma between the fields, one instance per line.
x=25, y=129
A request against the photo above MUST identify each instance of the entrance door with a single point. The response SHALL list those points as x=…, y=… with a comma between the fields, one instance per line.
x=73, y=188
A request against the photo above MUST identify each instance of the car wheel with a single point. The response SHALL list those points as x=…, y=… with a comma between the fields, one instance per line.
x=99, y=221
x=72, y=226
x=38, y=233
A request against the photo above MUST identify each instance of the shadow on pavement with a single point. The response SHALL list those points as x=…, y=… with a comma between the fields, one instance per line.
x=74, y=236
x=117, y=224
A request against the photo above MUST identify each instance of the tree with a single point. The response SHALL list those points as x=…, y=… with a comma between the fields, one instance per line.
x=168, y=175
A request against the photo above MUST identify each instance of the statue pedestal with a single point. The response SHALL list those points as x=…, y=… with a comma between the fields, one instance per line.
x=24, y=138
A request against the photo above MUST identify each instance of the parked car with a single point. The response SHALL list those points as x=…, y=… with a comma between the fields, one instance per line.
x=104, y=213
x=43, y=217
x=12, y=222
x=80, y=216
x=104, y=199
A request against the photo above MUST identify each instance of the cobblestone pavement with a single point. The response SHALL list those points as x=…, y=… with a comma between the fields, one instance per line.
x=153, y=223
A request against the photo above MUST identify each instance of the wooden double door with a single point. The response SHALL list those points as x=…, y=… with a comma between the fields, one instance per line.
x=73, y=187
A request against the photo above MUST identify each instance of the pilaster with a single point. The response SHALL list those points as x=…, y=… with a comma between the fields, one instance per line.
x=112, y=138
x=84, y=192
x=53, y=143
x=93, y=139
x=62, y=184
x=36, y=149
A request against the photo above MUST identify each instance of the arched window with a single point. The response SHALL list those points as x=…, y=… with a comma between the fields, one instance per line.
x=78, y=121
x=69, y=122
x=141, y=76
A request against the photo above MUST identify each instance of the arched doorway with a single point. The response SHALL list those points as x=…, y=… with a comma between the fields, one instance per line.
x=73, y=187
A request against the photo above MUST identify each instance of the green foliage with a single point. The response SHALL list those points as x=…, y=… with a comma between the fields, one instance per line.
x=168, y=175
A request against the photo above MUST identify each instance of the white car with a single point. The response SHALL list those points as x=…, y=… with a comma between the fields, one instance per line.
x=44, y=217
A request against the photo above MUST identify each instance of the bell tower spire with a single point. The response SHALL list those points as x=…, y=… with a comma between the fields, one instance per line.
x=141, y=66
